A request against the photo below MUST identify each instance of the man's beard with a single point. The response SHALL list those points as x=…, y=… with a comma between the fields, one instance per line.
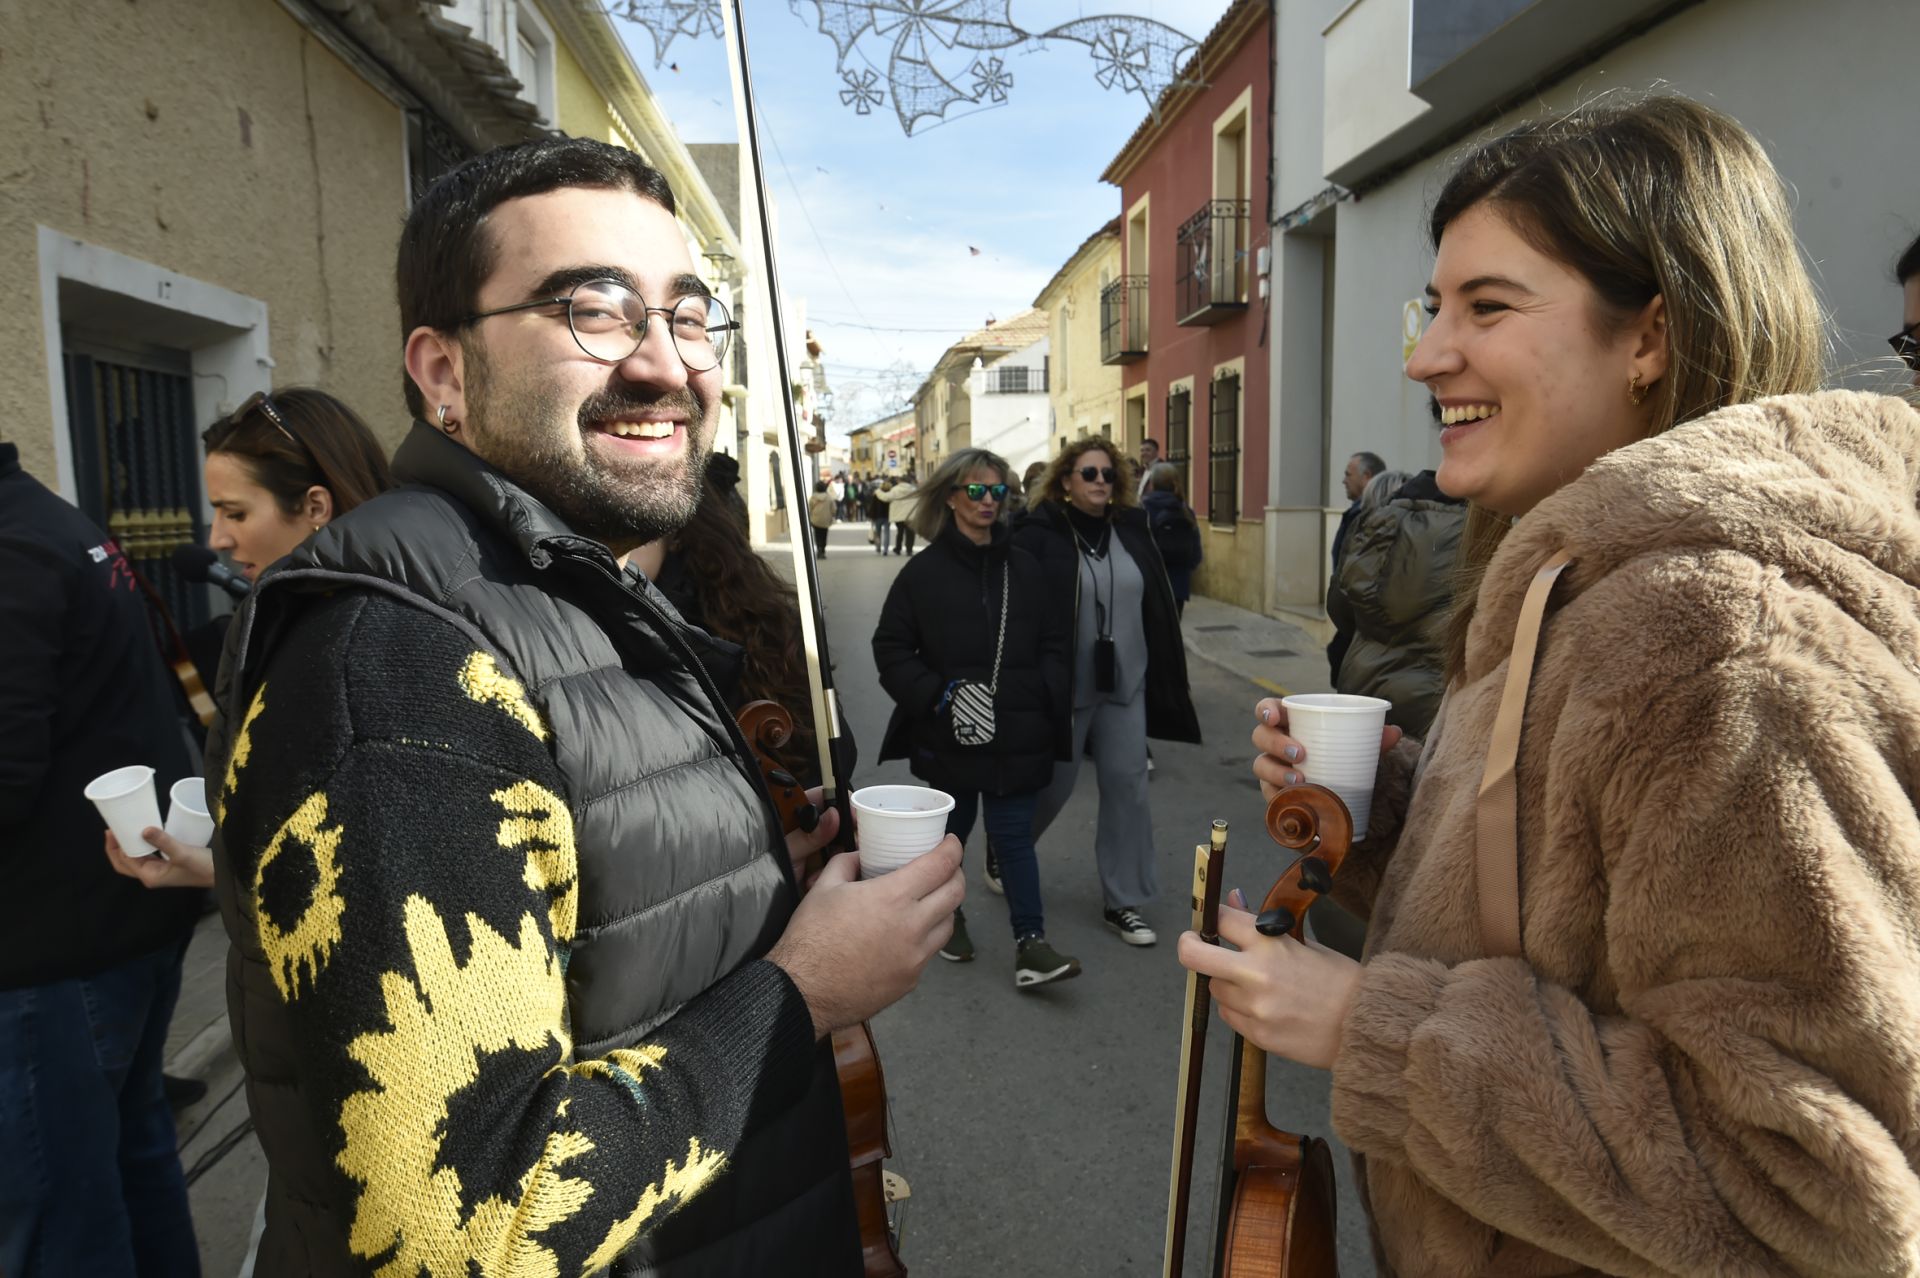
x=523, y=430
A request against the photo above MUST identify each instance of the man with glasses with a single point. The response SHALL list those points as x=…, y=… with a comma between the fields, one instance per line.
x=1906, y=343
x=522, y=977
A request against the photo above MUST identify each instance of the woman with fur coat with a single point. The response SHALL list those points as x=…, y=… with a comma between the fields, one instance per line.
x=1699, y=1054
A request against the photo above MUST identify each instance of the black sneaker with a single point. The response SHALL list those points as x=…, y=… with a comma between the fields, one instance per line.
x=182, y=1092
x=1037, y=963
x=993, y=871
x=1130, y=927
x=959, y=946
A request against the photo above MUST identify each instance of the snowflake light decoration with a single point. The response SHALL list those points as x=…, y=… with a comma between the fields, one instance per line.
x=931, y=47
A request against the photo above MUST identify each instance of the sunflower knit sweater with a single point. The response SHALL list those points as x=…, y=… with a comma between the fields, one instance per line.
x=404, y=854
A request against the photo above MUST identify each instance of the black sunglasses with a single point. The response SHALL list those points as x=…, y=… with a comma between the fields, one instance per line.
x=262, y=403
x=1907, y=346
x=975, y=492
x=1102, y=473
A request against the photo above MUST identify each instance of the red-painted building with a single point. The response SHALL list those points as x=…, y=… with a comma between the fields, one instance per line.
x=1187, y=317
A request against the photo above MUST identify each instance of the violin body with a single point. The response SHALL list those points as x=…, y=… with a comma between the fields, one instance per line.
x=863, y=1086
x=1277, y=1194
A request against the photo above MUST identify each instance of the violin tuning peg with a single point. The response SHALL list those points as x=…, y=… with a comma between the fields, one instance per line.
x=1316, y=876
x=808, y=819
x=782, y=778
x=1274, y=922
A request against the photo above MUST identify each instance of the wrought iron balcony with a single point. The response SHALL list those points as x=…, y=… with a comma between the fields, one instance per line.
x=1123, y=320
x=1016, y=379
x=1211, y=250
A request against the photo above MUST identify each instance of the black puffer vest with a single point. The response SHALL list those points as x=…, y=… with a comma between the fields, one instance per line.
x=683, y=871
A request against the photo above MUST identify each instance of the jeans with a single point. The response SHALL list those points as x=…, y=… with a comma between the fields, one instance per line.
x=1010, y=826
x=820, y=541
x=902, y=536
x=92, y=1182
x=880, y=535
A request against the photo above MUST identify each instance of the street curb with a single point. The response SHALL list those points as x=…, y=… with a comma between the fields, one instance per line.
x=203, y=1054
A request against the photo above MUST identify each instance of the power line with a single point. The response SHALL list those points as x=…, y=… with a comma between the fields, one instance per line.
x=883, y=328
x=802, y=202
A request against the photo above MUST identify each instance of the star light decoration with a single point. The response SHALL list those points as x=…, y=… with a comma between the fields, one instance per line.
x=930, y=47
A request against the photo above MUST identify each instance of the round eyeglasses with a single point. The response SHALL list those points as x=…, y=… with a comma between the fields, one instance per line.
x=609, y=322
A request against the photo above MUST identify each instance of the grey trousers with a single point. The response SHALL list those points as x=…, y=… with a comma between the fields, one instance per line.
x=1123, y=841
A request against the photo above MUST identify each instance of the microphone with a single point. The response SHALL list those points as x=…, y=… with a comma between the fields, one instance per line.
x=197, y=563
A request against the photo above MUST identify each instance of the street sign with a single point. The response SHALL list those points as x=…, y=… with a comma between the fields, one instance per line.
x=892, y=455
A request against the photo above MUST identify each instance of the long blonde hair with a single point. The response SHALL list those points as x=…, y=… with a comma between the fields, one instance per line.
x=1659, y=197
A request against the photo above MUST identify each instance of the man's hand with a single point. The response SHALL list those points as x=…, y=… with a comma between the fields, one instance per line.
x=803, y=848
x=855, y=947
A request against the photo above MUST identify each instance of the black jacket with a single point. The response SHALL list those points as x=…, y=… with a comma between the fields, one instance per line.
x=82, y=691
x=1044, y=533
x=683, y=879
x=940, y=623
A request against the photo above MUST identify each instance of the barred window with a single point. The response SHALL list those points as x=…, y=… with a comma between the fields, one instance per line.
x=1223, y=453
x=1179, y=452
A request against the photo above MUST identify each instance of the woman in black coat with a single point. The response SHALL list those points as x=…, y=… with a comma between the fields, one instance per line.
x=971, y=609
x=1129, y=665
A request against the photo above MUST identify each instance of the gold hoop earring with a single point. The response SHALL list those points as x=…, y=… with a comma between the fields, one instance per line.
x=1635, y=391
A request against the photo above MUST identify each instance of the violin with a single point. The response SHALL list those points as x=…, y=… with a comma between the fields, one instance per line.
x=863, y=1084
x=1276, y=1200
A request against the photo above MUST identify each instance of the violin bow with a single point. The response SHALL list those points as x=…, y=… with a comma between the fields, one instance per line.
x=1207, y=861
x=828, y=730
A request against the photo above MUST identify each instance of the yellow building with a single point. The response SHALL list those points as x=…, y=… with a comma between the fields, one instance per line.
x=1085, y=392
x=203, y=200
x=942, y=407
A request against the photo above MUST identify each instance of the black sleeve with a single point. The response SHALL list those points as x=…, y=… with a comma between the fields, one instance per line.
x=33, y=609
x=405, y=855
x=1056, y=642
x=899, y=650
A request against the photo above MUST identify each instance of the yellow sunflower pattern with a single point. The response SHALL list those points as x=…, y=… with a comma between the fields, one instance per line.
x=482, y=680
x=309, y=941
x=539, y=824
x=242, y=751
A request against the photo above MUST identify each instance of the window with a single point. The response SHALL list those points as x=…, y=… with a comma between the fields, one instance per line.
x=1223, y=453
x=1180, y=435
x=533, y=59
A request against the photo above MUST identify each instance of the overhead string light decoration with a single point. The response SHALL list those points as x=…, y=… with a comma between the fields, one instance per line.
x=940, y=54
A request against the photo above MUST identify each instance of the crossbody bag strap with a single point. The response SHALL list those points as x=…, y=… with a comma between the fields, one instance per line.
x=1000, y=644
x=1497, y=815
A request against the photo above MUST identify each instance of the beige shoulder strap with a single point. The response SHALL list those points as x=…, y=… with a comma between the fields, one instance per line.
x=1497, y=841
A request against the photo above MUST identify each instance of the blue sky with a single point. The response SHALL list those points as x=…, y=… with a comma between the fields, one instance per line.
x=875, y=227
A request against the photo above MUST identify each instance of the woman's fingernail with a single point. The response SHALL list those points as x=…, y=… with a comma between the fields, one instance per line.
x=1237, y=899
x=1266, y=713
x=1293, y=778
x=1292, y=754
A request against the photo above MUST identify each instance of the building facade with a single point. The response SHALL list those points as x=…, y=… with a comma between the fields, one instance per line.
x=1376, y=100
x=943, y=404
x=204, y=201
x=1012, y=414
x=1186, y=319
x=1084, y=390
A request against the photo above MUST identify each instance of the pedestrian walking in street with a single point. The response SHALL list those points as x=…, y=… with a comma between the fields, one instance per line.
x=1149, y=458
x=89, y=962
x=1361, y=468
x=1682, y=1038
x=975, y=660
x=1176, y=530
x=820, y=515
x=903, y=499
x=878, y=516
x=501, y=878
x=1129, y=664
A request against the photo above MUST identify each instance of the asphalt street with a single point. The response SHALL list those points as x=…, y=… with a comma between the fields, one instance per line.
x=1035, y=1128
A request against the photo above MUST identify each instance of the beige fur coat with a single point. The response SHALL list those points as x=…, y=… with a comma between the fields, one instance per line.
x=1708, y=1059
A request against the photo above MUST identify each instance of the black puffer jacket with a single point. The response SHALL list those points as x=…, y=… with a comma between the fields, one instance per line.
x=940, y=623
x=1392, y=595
x=1044, y=533
x=683, y=875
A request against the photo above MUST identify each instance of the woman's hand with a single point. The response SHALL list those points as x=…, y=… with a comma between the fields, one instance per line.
x=1281, y=757
x=179, y=866
x=1281, y=995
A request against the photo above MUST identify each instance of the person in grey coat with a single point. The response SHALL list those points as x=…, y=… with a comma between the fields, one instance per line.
x=1393, y=593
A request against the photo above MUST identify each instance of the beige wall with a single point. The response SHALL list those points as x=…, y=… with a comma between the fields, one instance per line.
x=1084, y=392
x=1234, y=570
x=121, y=126
x=582, y=109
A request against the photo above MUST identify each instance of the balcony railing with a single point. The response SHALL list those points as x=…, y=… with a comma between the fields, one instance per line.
x=1123, y=320
x=1016, y=379
x=1211, y=250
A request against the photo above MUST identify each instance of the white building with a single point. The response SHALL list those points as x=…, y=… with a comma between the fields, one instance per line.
x=1011, y=412
x=1373, y=101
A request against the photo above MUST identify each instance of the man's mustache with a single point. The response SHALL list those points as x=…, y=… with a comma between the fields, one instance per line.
x=604, y=404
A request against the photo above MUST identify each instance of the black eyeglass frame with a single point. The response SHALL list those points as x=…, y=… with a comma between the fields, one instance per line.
x=1906, y=345
x=997, y=491
x=1105, y=474
x=730, y=325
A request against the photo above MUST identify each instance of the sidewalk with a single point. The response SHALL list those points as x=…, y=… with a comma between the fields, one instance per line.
x=1272, y=654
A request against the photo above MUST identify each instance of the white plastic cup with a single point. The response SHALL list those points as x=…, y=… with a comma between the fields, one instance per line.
x=187, y=816
x=1341, y=734
x=127, y=804
x=897, y=824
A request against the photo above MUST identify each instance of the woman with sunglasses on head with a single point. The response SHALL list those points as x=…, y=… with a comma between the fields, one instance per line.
x=976, y=663
x=279, y=469
x=1642, y=980
x=1106, y=579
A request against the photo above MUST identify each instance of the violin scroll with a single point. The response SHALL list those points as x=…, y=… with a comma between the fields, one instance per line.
x=1310, y=819
x=768, y=727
